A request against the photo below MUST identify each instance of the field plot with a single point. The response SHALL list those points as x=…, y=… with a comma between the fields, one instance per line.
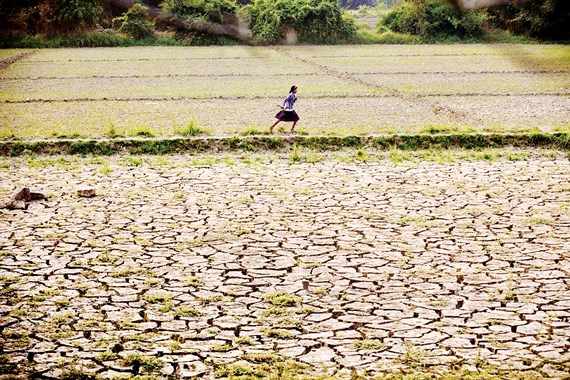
x=229, y=90
x=251, y=267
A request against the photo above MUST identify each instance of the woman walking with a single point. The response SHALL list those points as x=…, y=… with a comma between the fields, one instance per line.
x=287, y=113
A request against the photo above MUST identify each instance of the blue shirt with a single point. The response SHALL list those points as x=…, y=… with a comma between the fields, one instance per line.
x=289, y=101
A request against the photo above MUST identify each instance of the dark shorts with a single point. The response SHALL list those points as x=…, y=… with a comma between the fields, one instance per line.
x=287, y=116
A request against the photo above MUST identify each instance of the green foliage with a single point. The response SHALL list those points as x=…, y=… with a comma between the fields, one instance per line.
x=217, y=11
x=57, y=16
x=145, y=132
x=312, y=20
x=278, y=333
x=145, y=363
x=369, y=344
x=188, y=312
x=76, y=14
x=113, y=133
x=386, y=37
x=68, y=22
x=434, y=19
x=547, y=19
x=135, y=23
x=281, y=299
x=192, y=129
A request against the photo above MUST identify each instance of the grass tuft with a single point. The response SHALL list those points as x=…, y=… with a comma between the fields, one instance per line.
x=369, y=344
x=192, y=129
x=112, y=132
x=142, y=362
x=283, y=299
x=254, y=132
x=278, y=333
x=188, y=312
x=143, y=132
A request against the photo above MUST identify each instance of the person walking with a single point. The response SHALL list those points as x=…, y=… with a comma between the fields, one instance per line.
x=287, y=113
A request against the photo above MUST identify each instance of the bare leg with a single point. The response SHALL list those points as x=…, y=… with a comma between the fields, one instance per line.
x=293, y=127
x=273, y=126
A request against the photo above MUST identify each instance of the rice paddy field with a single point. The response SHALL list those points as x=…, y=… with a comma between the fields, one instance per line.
x=343, y=90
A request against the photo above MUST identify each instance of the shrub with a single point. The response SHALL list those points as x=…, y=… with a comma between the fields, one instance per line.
x=135, y=23
x=218, y=11
x=49, y=16
x=547, y=19
x=77, y=14
x=434, y=19
x=312, y=20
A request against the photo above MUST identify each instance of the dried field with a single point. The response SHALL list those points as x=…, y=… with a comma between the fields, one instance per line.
x=229, y=90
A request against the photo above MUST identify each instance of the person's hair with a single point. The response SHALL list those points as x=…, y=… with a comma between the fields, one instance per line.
x=293, y=88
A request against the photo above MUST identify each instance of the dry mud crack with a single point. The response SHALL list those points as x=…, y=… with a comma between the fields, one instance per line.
x=179, y=270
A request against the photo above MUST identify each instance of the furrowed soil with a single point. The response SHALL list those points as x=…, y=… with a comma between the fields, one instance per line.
x=230, y=90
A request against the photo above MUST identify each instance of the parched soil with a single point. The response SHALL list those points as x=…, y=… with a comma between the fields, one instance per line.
x=182, y=267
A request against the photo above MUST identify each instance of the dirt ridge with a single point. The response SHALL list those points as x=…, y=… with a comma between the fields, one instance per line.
x=216, y=144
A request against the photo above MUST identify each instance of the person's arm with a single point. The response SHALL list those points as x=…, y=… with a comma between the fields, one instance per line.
x=287, y=103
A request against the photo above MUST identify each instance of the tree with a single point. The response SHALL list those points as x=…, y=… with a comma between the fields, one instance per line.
x=135, y=23
x=63, y=16
x=546, y=19
x=50, y=16
x=433, y=18
x=218, y=11
x=312, y=20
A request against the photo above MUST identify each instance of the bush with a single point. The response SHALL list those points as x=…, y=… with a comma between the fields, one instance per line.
x=135, y=23
x=77, y=14
x=312, y=20
x=218, y=11
x=434, y=19
x=548, y=19
x=49, y=16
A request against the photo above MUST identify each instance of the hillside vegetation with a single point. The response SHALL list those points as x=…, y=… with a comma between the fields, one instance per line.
x=51, y=23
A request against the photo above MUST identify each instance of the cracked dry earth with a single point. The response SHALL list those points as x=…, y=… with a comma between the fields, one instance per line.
x=185, y=271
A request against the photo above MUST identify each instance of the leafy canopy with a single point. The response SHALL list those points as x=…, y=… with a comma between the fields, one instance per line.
x=434, y=18
x=313, y=20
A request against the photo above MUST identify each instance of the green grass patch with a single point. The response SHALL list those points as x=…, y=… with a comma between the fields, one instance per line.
x=188, y=312
x=282, y=299
x=254, y=132
x=142, y=362
x=158, y=298
x=263, y=357
x=113, y=133
x=278, y=333
x=435, y=129
x=193, y=281
x=192, y=129
x=301, y=148
x=142, y=132
x=222, y=348
x=369, y=344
